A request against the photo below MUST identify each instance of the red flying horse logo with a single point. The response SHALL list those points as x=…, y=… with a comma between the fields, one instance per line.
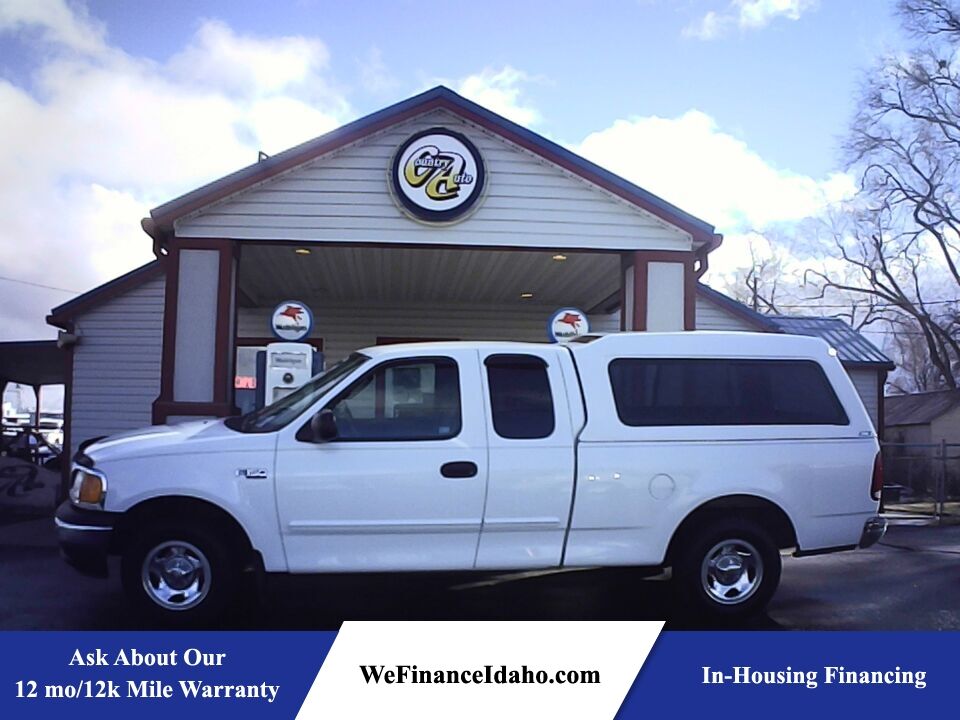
x=293, y=312
x=571, y=319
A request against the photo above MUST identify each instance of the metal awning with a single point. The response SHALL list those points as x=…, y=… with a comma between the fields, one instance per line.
x=852, y=348
x=32, y=362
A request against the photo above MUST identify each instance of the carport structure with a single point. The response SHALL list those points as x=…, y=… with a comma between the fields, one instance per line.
x=323, y=224
x=35, y=363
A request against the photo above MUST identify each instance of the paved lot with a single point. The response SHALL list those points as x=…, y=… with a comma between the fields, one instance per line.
x=910, y=582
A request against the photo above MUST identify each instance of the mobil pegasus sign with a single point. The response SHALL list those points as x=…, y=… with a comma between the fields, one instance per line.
x=291, y=321
x=567, y=324
x=437, y=176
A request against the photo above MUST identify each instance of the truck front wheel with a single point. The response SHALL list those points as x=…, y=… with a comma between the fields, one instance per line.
x=178, y=574
x=729, y=569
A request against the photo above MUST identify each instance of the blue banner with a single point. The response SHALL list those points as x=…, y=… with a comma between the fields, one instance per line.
x=269, y=674
x=791, y=675
x=158, y=674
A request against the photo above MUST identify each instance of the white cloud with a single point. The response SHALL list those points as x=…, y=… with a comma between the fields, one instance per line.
x=375, y=76
x=758, y=13
x=692, y=163
x=709, y=26
x=242, y=66
x=500, y=90
x=746, y=15
x=55, y=22
x=102, y=136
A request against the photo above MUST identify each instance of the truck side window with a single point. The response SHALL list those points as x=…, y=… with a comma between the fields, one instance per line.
x=520, y=397
x=689, y=391
x=417, y=399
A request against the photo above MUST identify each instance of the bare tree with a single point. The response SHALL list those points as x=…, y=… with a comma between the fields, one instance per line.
x=757, y=285
x=900, y=238
x=914, y=372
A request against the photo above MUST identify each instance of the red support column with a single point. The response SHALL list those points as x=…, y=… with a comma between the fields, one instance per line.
x=640, y=260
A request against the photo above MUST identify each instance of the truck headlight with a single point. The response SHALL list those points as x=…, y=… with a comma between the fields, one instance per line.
x=89, y=488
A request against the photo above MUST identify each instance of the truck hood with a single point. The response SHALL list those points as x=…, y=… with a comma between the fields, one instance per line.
x=158, y=440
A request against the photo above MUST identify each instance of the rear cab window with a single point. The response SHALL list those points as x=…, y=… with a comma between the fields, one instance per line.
x=651, y=392
x=521, y=400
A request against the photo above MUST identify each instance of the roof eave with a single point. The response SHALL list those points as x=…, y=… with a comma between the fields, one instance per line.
x=863, y=365
x=439, y=97
x=62, y=315
x=739, y=309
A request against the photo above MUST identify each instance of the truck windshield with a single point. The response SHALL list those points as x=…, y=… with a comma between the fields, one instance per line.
x=286, y=409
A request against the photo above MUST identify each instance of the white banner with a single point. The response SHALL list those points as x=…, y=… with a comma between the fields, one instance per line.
x=489, y=670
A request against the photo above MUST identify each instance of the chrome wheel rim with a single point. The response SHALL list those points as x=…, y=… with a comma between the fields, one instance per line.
x=732, y=572
x=176, y=575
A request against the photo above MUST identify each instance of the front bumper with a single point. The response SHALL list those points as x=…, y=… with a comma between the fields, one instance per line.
x=85, y=537
x=873, y=530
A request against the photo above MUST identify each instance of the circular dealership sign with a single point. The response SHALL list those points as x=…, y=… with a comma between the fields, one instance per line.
x=566, y=324
x=291, y=321
x=437, y=175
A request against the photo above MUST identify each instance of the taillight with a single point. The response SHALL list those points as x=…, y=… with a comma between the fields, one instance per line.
x=876, y=484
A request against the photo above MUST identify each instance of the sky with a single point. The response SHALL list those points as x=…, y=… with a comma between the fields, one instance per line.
x=733, y=110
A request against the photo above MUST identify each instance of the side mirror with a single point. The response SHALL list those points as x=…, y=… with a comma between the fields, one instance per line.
x=323, y=426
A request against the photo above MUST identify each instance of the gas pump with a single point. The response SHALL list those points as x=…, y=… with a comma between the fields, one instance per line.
x=283, y=367
x=286, y=365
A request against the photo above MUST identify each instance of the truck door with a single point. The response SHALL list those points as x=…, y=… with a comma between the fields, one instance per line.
x=402, y=485
x=531, y=461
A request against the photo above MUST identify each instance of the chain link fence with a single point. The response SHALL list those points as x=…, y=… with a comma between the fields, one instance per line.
x=922, y=480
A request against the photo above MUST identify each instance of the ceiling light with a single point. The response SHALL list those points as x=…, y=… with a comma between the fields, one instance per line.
x=303, y=251
x=526, y=295
x=559, y=257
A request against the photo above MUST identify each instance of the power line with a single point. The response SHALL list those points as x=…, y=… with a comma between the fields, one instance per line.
x=814, y=305
x=40, y=285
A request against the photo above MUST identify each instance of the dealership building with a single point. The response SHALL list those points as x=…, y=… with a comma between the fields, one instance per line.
x=434, y=218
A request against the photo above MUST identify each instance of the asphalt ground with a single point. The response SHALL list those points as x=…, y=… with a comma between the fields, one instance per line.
x=911, y=581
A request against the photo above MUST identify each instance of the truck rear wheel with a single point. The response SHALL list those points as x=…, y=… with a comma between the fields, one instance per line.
x=729, y=569
x=178, y=574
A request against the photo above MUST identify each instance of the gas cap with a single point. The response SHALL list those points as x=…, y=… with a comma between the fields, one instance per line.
x=662, y=486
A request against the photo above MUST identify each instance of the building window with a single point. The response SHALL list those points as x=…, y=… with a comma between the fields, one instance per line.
x=416, y=399
x=520, y=398
x=652, y=392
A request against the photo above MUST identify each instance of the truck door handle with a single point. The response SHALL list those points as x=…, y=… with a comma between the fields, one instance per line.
x=458, y=470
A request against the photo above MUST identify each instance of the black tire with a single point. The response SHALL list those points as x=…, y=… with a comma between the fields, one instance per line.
x=183, y=548
x=720, y=589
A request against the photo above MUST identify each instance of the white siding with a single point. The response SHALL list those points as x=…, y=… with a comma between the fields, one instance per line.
x=116, y=364
x=344, y=197
x=711, y=316
x=865, y=381
x=665, y=290
x=605, y=323
x=345, y=329
x=196, y=333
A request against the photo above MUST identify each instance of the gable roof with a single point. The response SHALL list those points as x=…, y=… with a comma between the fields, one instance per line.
x=761, y=322
x=61, y=315
x=919, y=408
x=160, y=223
x=852, y=347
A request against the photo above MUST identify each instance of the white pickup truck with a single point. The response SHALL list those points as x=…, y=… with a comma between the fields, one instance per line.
x=705, y=452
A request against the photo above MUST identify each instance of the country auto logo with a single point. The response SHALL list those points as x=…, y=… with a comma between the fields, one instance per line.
x=437, y=175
